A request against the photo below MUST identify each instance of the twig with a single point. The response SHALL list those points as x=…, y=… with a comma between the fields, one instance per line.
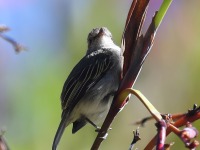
x=161, y=135
x=136, y=138
x=17, y=46
x=191, y=116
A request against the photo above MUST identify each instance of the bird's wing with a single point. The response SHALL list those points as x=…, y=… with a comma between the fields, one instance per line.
x=84, y=76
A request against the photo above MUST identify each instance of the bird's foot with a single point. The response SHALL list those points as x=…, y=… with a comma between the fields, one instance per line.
x=99, y=128
x=104, y=137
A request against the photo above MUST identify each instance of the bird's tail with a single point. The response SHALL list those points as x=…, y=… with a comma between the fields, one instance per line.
x=60, y=130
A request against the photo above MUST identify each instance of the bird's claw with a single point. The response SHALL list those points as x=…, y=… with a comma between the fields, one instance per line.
x=98, y=129
x=104, y=137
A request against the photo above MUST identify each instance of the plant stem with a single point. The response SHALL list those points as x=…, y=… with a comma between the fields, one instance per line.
x=162, y=11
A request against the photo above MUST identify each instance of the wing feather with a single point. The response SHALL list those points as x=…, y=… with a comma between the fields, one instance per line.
x=84, y=76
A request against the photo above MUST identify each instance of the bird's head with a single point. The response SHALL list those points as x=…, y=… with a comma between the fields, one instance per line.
x=99, y=38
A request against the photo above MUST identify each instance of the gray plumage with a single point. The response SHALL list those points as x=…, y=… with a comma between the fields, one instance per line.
x=88, y=91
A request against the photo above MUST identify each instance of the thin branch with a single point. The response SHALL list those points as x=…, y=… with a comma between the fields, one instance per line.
x=17, y=46
x=153, y=111
x=192, y=116
x=136, y=138
x=161, y=135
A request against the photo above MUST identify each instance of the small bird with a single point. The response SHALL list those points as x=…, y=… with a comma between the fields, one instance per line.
x=89, y=89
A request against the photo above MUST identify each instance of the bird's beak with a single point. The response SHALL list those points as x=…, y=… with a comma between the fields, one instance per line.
x=101, y=32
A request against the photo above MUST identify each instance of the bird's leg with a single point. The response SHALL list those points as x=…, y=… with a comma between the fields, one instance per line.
x=93, y=124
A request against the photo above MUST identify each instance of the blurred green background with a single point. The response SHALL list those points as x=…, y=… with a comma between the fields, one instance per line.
x=55, y=33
